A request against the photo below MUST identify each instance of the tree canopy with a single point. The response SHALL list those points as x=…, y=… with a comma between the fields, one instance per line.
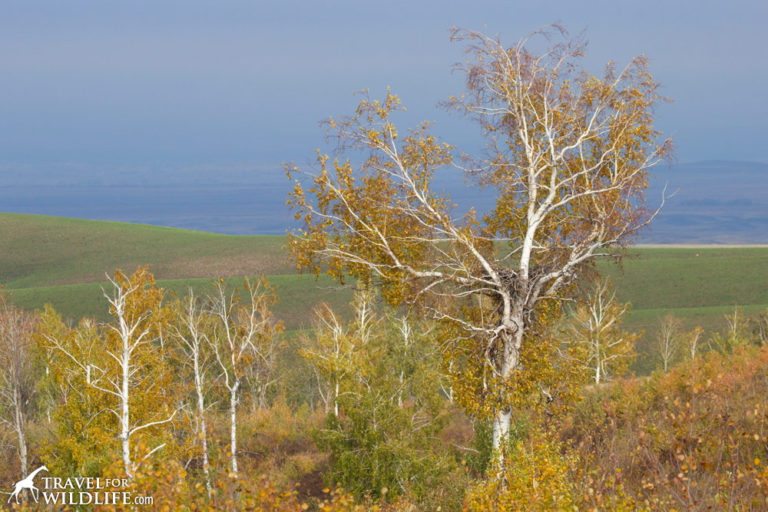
x=568, y=155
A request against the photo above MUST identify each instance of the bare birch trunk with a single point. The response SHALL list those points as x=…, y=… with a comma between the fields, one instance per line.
x=19, y=426
x=125, y=418
x=501, y=429
x=201, y=415
x=336, y=400
x=598, y=362
x=503, y=418
x=233, y=425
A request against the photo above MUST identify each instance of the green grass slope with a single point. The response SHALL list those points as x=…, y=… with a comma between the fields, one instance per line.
x=63, y=261
x=41, y=251
x=697, y=285
x=655, y=278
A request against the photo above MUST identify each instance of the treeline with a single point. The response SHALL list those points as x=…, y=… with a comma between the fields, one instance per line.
x=204, y=403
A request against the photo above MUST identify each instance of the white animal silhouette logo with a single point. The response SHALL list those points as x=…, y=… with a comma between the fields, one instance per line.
x=27, y=483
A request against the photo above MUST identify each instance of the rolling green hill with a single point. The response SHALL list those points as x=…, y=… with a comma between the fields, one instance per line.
x=699, y=285
x=63, y=262
x=41, y=251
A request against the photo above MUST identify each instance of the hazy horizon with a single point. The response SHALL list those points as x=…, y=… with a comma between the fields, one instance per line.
x=713, y=201
x=192, y=106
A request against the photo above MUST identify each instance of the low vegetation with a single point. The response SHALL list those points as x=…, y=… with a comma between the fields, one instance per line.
x=358, y=413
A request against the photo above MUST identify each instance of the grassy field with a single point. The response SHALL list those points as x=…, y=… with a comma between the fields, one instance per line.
x=40, y=251
x=64, y=261
x=697, y=285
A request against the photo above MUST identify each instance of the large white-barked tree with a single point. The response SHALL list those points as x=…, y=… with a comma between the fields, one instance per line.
x=568, y=159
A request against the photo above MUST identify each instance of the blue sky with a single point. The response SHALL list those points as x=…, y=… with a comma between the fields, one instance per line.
x=175, y=84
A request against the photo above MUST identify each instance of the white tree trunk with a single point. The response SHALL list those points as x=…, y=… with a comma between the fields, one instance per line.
x=598, y=362
x=233, y=425
x=19, y=426
x=201, y=416
x=336, y=400
x=503, y=416
x=501, y=429
x=125, y=417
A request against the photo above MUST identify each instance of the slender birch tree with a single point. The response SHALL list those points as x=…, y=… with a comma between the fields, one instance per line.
x=569, y=155
x=694, y=341
x=19, y=374
x=243, y=341
x=332, y=352
x=596, y=327
x=760, y=328
x=125, y=365
x=190, y=333
x=337, y=350
x=668, y=341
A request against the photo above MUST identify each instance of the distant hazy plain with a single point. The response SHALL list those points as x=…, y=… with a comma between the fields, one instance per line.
x=716, y=202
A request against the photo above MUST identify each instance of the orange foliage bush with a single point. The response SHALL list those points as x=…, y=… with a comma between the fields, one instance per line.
x=694, y=439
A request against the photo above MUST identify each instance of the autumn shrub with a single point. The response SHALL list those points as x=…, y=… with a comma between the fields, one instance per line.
x=479, y=458
x=278, y=442
x=384, y=396
x=171, y=489
x=534, y=474
x=375, y=446
x=692, y=439
x=257, y=493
